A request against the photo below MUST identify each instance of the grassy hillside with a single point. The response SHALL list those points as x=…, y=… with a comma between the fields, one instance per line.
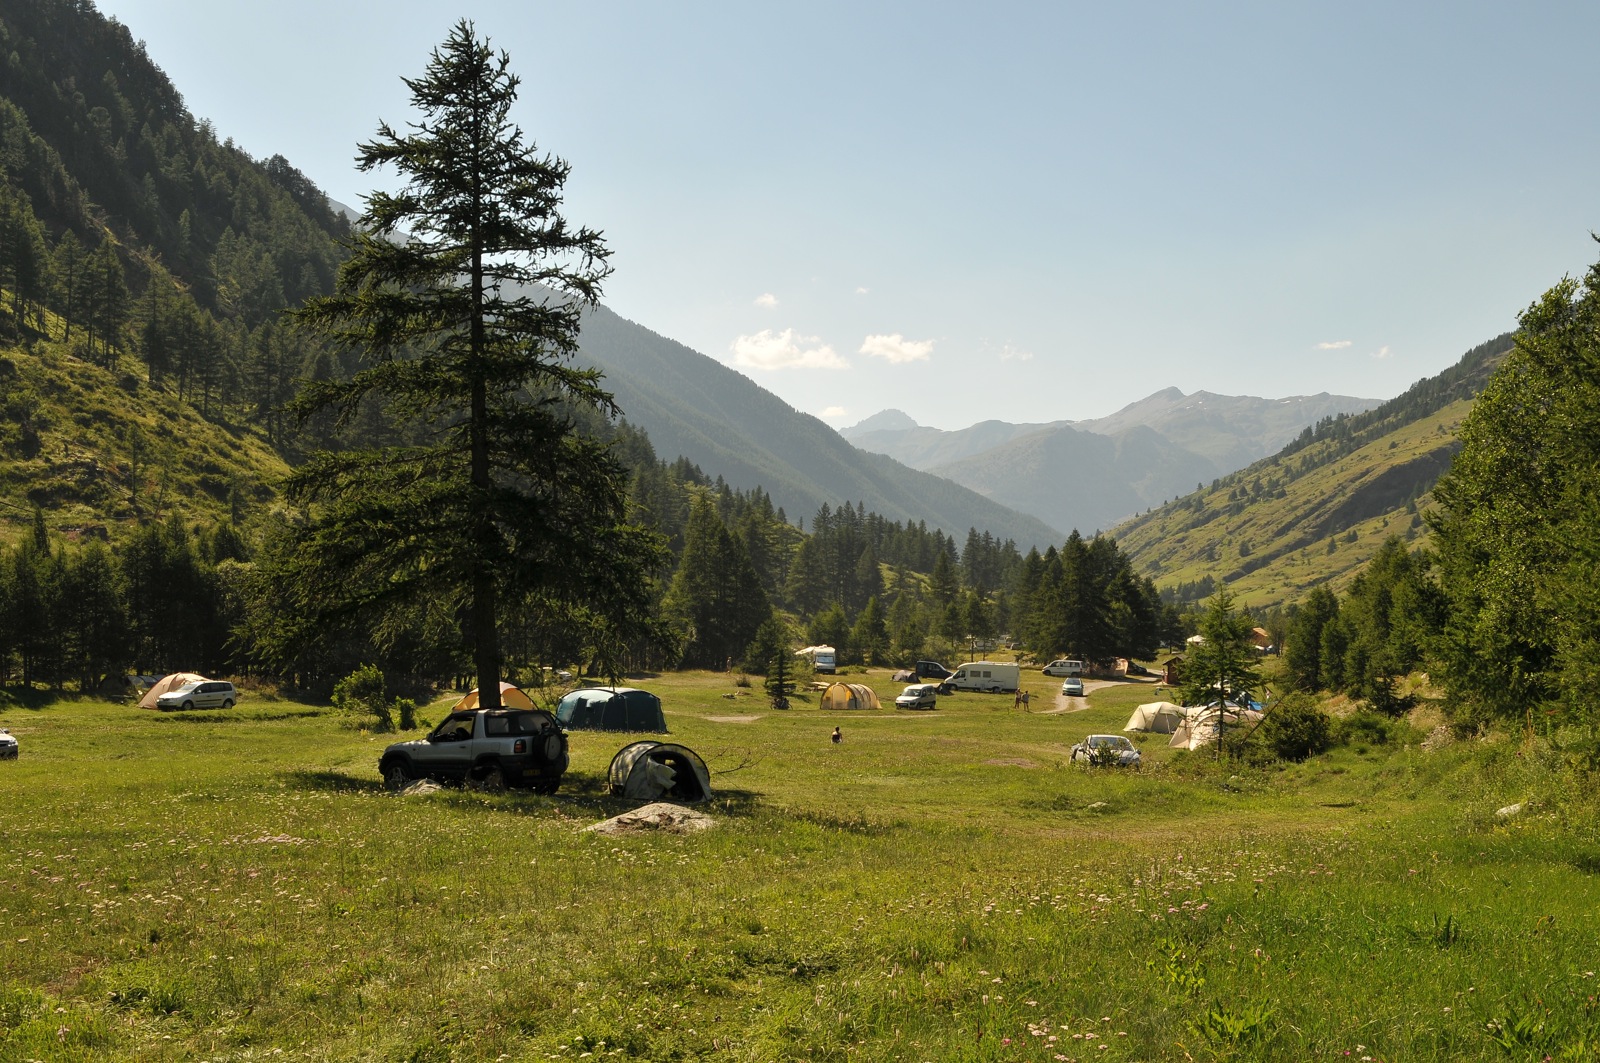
x=96, y=449
x=1318, y=510
x=939, y=886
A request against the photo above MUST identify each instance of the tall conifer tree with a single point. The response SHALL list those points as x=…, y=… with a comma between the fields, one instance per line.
x=462, y=299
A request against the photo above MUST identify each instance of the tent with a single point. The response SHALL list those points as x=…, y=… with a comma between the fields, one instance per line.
x=1200, y=728
x=656, y=771
x=611, y=709
x=166, y=684
x=510, y=698
x=1160, y=717
x=848, y=696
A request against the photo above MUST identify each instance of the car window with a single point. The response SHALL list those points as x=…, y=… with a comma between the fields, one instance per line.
x=454, y=729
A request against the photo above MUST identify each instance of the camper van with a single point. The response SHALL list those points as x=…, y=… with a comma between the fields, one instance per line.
x=984, y=675
x=823, y=658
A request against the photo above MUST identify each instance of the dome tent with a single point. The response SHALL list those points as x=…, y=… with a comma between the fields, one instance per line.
x=657, y=771
x=841, y=696
x=166, y=684
x=1160, y=717
x=611, y=709
x=510, y=698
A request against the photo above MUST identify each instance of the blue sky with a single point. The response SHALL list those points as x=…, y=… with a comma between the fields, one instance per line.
x=1018, y=211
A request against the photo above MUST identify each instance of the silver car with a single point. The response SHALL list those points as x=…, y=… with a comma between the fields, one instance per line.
x=8, y=745
x=1106, y=751
x=211, y=694
x=919, y=696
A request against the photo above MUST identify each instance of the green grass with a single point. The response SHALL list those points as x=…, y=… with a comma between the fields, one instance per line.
x=939, y=886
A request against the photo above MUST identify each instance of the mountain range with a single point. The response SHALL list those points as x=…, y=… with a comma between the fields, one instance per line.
x=1091, y=474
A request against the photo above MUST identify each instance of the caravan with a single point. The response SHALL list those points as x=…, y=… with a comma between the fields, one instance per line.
x=984, y=675
x=823, y=658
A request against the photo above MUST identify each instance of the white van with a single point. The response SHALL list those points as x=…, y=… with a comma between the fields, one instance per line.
x=1064, y=666
x=985, y=675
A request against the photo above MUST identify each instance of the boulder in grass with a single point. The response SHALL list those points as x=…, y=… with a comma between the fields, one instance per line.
x=1511, y=811
x=663, y=816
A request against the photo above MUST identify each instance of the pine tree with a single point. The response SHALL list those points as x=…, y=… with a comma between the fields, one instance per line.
x=506, y=503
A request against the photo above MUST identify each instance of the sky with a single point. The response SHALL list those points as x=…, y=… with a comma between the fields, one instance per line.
x=1024, y=212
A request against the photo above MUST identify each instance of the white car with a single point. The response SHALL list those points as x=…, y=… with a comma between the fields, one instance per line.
x=8, y=745
x=1064, y=666
x=919, y=696
x=211, y=694
x=1072, y=687
x=1106, y=750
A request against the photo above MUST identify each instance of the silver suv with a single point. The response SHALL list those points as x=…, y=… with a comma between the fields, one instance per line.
x=492, y=748
x=211, y=694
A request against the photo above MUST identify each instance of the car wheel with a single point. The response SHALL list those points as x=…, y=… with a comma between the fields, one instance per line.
x=397, y=774
x=187, y=706
x=227, y=703
x=490, y=779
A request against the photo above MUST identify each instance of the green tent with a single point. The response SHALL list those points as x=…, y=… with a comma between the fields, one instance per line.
x=611, y=709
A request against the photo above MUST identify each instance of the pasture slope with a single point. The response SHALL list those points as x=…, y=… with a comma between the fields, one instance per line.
x=938, y=886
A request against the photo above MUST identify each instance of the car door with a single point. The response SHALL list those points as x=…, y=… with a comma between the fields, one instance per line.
x=450, y=745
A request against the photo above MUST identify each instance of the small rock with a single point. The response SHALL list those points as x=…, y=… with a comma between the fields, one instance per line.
x=1510, y=811
x=421, y=786
x=1098, y=806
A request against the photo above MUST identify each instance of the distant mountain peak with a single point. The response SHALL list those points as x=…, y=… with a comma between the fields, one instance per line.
x=883, y=421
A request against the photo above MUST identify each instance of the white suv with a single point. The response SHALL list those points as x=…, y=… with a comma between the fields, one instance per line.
x=211, y=694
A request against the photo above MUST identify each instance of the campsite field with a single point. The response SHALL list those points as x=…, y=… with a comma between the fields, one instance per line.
x=939, y=886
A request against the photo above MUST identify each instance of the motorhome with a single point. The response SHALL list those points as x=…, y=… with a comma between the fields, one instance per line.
x=824, y=659
x=984, y=675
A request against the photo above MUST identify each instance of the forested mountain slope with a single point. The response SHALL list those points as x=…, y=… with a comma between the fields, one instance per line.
x=1318, y=510
x=731, y=427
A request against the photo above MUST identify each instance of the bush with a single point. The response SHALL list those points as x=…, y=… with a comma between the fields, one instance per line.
x=1368, y=728
x=1297, y=728
x=406, y=709
x=364, y=693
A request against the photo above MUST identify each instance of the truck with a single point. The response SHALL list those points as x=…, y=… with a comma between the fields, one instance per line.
x=984, y=675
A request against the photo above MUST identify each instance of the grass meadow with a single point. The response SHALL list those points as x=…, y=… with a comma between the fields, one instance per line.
x=939, y=886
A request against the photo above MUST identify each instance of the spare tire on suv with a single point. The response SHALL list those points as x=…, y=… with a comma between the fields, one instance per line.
x=491, y=747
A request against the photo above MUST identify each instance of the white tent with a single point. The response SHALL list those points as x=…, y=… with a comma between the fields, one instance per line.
x=1159, y=717
x=1202, y=724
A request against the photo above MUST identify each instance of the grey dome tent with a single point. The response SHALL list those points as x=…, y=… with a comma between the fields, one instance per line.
x=611, y=709
x=660, y=771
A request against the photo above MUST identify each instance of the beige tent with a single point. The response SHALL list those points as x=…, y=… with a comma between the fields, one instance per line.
x=166, y=684
x=1159, y=717
x=510, y=698
x=848, y=696
x=1201, y=726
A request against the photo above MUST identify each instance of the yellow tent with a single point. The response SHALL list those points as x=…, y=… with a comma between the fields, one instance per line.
x=510, y=698
x=848, y=696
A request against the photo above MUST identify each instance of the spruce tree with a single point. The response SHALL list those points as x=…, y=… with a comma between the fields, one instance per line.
x=462, y=301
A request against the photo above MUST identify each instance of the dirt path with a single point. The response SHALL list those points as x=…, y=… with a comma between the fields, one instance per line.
x=1066, y=704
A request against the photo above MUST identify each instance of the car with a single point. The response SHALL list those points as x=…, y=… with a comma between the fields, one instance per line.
x=491, y=748
x=1072, y=687
x=1064, y=666
x=1106, y=751
x=932, y=670
x=918, y=696
x=8, y=745
x=210, y=694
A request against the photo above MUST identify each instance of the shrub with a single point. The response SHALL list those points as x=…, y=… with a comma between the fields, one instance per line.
x=1368, y=728
x=406, y=709
x=364, y=693
x=1297, y=728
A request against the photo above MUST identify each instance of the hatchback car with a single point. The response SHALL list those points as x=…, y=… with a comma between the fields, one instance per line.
x=211, y=694
x=1106, y=750
x=8, y=745
x=1072, y=687
x=918, y=696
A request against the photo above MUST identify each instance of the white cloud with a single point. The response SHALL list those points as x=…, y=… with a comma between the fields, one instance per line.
x=784, y=350
x=1381, y=352
x=1333, y=345
x=1009, y=353
x=766, y=300
x=896, y=349
x=863, y=291
x=834, y=411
